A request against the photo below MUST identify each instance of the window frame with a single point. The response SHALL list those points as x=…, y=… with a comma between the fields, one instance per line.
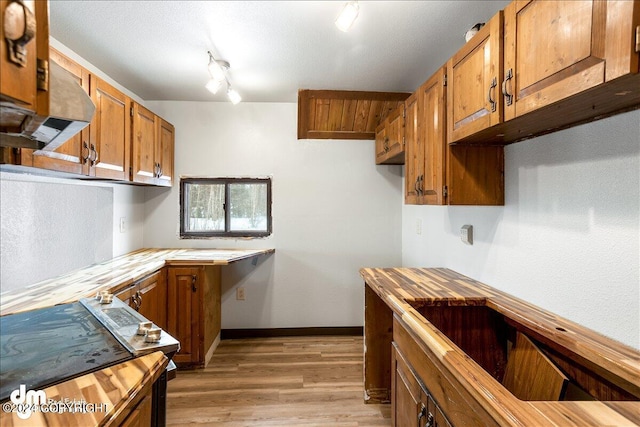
x=184, y=234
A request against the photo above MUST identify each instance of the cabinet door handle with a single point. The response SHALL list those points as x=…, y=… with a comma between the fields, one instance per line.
x=422, y=414
x=94, y=160
x=493, y=103
x=507, y=78
x=86, y=158
x=430, y=420
x=194, y=278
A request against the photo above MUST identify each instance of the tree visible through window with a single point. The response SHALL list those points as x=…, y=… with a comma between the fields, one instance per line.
x=237, y=207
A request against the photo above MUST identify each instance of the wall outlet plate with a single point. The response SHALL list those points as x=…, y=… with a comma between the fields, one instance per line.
x=466, y=234
x=240, y=294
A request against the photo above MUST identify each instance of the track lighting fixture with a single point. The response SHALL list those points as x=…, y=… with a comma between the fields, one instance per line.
x=217, y=73
x=348, y=16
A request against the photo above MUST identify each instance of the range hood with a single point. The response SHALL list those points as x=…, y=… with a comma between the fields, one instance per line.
x=70, y=111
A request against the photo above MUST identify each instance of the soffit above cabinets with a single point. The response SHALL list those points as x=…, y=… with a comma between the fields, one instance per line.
x=339, y=114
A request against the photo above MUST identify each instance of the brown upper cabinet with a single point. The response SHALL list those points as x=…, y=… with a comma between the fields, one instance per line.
x=165, y=152
x=100, y=150
x=144, y=165
x=152, y=154
x=554, y=50
x=437, y=173
x=414, y=151
x=390, y=138
x=122, y=139
x=110, y=132
x=474, y=75
x=561, y=63
x=24, y=49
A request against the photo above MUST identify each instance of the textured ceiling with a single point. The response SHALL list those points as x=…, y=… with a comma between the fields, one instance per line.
x=158, y=49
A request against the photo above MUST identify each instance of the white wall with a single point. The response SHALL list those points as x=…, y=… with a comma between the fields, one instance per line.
x=568, y=237
x=51, y=226
x=334, y=211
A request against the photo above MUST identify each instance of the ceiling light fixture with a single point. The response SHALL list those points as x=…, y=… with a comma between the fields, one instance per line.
x=348, y=16
x=217, y=73
x=233, y=96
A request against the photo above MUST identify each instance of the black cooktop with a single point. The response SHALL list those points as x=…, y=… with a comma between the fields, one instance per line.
x=44, y=347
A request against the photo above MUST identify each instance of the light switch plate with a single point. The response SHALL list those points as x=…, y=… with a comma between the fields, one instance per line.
x=466, y=234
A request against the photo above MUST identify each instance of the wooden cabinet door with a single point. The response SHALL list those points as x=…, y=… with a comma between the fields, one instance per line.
x=431, y=118
x=165, y=152
x=152, y=298
x=110, y=132
x=395, y=133
x=18, y=82
x=184, y=294
x=414, y=151
x=390, y=146
x=382, y=145
x=439, y=419
x=144, y=162
x=406, y=405
x=128, y=295
x=71, y=156
x=553, y=49
x=141, y=415
x=474, y=78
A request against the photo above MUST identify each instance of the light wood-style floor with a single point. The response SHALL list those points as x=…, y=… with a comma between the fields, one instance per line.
x=291, y=381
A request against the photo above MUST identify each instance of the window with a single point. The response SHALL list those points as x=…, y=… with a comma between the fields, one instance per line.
x=219, y=207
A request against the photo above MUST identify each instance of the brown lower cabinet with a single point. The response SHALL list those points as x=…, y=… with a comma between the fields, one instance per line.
x=149, y=297
x=423, y=392
x=193, y=312
x=140, y=415
x=411, y=403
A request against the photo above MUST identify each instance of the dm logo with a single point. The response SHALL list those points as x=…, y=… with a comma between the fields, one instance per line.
x=25, y=400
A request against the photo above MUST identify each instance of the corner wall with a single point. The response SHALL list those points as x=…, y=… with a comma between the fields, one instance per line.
x=568, y=237
x=334, y=211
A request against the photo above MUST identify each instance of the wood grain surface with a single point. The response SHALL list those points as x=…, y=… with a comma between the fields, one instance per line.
x=116, y=389
x=114, y=274
x=613, y=365
x=284, y=381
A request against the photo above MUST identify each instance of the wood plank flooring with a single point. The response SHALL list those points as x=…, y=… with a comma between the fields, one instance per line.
x=289, y=381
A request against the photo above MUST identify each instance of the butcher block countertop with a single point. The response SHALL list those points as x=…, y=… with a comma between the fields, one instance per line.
x=115, y=274
x=102, y=398
x=402, y=289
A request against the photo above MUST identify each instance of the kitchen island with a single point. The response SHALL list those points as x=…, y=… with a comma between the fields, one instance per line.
x=454, y=342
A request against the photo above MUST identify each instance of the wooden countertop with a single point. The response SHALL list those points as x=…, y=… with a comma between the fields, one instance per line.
x=112, y=392
x=114, y=274
x=620, y=364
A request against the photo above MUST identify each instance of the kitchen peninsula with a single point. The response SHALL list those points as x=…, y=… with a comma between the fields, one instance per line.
x=115, y=274
x=178, y=289
x=453, y=342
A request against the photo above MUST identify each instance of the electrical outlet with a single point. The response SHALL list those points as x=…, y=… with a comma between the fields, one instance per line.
x=123, y=224
x=466, y=234
x=418, y=226
x=240, y=294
